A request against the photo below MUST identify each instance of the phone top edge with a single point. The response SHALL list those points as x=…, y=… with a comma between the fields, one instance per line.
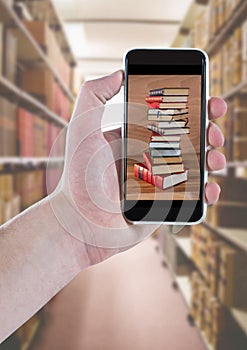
x=154, y=49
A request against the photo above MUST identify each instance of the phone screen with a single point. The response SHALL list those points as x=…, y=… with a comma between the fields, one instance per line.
x=165, y=135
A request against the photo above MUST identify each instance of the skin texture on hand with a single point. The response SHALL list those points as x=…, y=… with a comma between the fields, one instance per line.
x=38, y=255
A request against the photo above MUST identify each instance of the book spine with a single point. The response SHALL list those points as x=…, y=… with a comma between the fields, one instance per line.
x=237, y=50
x=10, y=55
x=1, y=47
x=147, y=161
x=155, y=105
x=154, y=99
x=226, y=287
x=25, y=133
x=144, y=174
x=156, y=92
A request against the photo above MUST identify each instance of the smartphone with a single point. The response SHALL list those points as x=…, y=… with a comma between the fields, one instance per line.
x=164, y=132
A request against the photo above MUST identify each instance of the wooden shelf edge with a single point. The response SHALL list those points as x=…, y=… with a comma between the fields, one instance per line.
x=238, y=237
x=240, y=315
x=64, y=35
x=237, y=16
x=183, y=283
x=235, y=90
x=184, y=244
x=14, y=18
x=29, y=102
x=184, y=286
x=29, y=160
x=192, y=13
x=33, y=332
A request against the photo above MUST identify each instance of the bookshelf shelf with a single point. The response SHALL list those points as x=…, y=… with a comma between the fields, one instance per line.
x=194, y=11
x=39, y=11
x=235, y=20
x=206, y=343
x=236, y=236
x=24, y=177
x=29, y=160
x=183, y=283
x=240, y=88
x=27, y=101
x=218, y=48
x=11, y=165
x=185, y=245
x=240, y=316
x=33, y=331
x=29, y=51
x=236, y=164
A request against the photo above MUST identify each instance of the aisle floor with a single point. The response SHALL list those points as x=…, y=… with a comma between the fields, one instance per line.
x=125, y=303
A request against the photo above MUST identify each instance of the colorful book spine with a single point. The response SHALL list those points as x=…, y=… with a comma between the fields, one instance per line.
x=25, y=133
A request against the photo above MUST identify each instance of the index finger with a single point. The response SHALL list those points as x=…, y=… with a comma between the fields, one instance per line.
x=217, y=107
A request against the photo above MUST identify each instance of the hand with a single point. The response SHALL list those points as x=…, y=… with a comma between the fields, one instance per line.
x=215, y=159
x=87, y=201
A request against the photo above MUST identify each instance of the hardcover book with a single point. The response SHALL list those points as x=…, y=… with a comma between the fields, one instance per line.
x=164, y=144
x=167, y=118
x=164, y=105
x=149, y=161
x=160, y=112
x=168, y=138
x=8, y=132
x=171, y=124
x=167, y=99
x=25, y=133
x=172, y=131
x=165, y=152
x=169, y=92
x=160, y=181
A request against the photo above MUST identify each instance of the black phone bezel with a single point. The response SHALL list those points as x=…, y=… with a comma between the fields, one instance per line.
x=157, y=62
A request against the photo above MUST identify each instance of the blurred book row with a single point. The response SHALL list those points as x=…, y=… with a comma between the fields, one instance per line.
x=25, y=134
x=210, y=273
x=208, y=261
x=37, y=87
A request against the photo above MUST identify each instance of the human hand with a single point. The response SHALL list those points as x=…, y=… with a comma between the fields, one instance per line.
x=87, y=202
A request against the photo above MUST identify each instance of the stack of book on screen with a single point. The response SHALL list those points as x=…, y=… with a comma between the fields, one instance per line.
x=168, y=118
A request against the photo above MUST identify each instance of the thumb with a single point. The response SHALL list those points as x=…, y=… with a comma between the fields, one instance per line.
x=85, y=123
x=96, y=93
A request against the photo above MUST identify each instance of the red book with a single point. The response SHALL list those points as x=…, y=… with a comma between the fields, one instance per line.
x=145, y=174
x=172, y=105
x=154, y=105
x=160, y=181
x=25, y=133
x=147, y=160
x=166, y=99
x=150, y=178
x=154, y=99
x=136, y=169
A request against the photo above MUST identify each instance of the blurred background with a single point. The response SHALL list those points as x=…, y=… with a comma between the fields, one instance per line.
x=176, y=290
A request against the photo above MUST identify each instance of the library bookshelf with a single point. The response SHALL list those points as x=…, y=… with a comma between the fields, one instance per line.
x=32, y=115
x=220, y=28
